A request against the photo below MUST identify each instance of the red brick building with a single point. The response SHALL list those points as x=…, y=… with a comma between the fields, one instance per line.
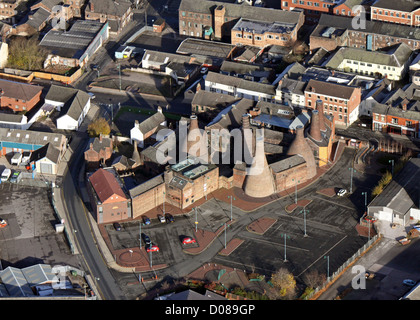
x=109, y=201
x=215, y=20
x=401, y=12
x=19, y=97
x=340, y=101
x=99, y=151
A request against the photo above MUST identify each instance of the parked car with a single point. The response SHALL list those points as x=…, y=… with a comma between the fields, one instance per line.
x=146, y=220
x=204, y=70
x=26, y=156
x=188, y=240
x=117, y=226
x=16, y=177
x=341, y=192
x=152, y=248
x=169, y=218
x=3, y=223
x=146, y=239
x=5, y=175
x=16, y=159
x=161, y=218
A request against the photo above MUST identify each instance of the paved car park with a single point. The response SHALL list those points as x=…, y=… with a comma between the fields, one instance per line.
x=30, y=236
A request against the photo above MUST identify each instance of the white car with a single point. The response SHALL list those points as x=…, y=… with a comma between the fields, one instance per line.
x=161, y=218
x=341, y=192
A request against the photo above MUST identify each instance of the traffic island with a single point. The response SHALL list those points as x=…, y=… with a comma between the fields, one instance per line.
x=231, y=246
x=329, y=192
x=301, y=203
x=261, y=225
x=205, y=238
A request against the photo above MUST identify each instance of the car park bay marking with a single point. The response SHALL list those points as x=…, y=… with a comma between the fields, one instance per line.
x=274, y=243
x=338, y=204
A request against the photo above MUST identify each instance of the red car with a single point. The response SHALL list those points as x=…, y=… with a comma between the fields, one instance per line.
x=152, y=248
x=188, y=240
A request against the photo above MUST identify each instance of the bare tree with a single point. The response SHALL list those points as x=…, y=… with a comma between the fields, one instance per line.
x=314, y=279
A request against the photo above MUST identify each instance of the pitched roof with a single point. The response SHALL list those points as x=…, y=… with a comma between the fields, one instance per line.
x=375, y=27
x=37, y=138
x=105, y=184
x=212, y=99
x=48, y=151
x=403, y=191
x=109, y=7
x=401, y=5
x=146, y=186
x=18, y=90
x=396, y=57
x=330, y=89
x=74, y=100
x=150, y=123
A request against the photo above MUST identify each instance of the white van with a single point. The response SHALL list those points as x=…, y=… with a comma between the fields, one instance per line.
x=6, y=174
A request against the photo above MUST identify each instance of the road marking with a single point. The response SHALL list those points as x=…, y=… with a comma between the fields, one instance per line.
x=338, y=204
x=323, y=255
x=274, y=243
x=245, y=265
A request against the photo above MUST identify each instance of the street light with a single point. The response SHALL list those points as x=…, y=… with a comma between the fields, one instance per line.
x=225, y=231
x=231, y=199
x=304, y=220
x=296, y=183
x=163, y=203
x=392, y=168
x=119, y=72
x=288, y=237
x=351, y=179
x=365, y=194
x=196, y=221
x=328, y=266
x=140, y=233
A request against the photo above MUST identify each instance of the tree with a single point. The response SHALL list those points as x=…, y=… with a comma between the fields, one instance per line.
x=285, y=284
x=98, y=127
x=26, y=54
x=314, y=279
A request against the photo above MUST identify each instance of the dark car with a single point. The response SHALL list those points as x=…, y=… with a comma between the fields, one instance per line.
x=169, y=218
x=146, y=239
x=146, y=220
x=117, y=226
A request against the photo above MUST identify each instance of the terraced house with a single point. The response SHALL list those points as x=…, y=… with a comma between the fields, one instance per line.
x=257, y=25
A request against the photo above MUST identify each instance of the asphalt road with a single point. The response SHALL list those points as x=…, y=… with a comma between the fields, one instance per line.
x=109, y=290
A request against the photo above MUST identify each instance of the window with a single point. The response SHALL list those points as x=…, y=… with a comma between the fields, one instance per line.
x=408, y=124
x=285, y=4
x=394, y=121
x=238, y=35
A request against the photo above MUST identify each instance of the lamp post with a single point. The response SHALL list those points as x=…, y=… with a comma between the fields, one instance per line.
x=285, y=236
x=164, y=203
x=196, y=221
x=140, y=233
x=231, y=199
x=351, y=179
x=328, y=266
x=296, y=183
x=392, y=166
x=119, y=73
x=304, y=220
x=365, y=194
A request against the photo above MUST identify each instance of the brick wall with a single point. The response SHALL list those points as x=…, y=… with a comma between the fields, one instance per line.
x=287, y=179
x=18, y=105
x=148, y=200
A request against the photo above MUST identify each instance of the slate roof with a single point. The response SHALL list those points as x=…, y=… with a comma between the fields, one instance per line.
x=38, y=18
x=74, y=100
x=395, y=58
x=213, y=99
x=191, y=295
x=19, y=90
x=146, y=186
x=374, y=27
x=105, y=184
x=401, y=5
x=109, y=7
x=240, y=83
x=287, y=163
x=98, y=144
x=330, y=89
x=48, y=151
x=403, y=191
x=152, y=122
x=241, y=11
